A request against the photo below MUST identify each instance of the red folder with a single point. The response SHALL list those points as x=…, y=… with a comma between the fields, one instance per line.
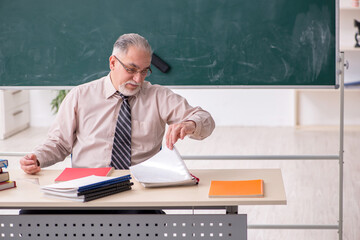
x=74, y=173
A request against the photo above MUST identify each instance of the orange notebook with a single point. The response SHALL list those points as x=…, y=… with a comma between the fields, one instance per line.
x=74, y=173
x=243, y=188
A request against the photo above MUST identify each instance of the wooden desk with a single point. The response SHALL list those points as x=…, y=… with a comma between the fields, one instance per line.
x=27, y=194
x=126, y=226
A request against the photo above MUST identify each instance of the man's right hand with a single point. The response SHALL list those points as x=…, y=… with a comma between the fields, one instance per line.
x=29, y=164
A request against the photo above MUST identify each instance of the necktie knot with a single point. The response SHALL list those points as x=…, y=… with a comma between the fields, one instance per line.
x=124, y=98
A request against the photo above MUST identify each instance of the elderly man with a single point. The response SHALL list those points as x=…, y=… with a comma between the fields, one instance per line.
x=120, y=119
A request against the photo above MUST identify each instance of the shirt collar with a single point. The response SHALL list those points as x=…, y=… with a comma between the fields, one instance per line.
x=111, y=90
x=109, y=87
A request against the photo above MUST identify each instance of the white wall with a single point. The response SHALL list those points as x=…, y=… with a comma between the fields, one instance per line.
x=229, y=107
x=347, y=41
x=321, y=107
x=245, y=107
x=40, y=108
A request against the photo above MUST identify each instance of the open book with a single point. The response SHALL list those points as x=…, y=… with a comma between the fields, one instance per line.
x=166, y=168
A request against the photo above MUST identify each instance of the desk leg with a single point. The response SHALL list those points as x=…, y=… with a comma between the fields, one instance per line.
x=232, y=210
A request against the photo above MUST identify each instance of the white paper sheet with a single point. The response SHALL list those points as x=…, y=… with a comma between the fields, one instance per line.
x=165, y=167
x=73, y=185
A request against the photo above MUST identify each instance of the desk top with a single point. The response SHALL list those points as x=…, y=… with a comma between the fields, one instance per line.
x=27, y=195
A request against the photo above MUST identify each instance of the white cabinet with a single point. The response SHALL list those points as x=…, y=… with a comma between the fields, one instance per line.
x=14, y=112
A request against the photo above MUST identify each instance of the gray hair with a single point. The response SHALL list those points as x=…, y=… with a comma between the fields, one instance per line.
x=122, y=44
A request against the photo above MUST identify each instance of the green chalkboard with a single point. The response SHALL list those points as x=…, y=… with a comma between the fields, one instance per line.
x=206, y=42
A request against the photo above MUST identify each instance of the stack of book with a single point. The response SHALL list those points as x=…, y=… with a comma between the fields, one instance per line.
x=87, y=188
x=5, y=182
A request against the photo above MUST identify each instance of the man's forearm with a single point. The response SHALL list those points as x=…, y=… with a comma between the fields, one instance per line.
x=49, y=153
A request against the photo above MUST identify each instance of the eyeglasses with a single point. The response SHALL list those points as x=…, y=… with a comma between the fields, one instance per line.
x=145, y=73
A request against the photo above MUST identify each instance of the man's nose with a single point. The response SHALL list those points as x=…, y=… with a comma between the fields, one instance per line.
x=138, y=77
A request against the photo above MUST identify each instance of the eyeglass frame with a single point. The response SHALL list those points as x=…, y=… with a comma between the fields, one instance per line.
x=133, y=70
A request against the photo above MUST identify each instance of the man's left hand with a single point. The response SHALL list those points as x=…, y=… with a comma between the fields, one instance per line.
x=179, y=130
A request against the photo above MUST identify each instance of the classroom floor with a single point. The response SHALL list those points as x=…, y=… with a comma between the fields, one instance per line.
x=312, y=186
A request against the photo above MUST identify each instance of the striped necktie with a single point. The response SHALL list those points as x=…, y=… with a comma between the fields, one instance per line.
x=121, y=152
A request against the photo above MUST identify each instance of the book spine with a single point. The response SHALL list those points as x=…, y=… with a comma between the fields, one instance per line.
x=112, y=186
x=4, y=176
x=105, y=183
x=4, y=163
x=11, y=184
x=87, y=199
x=106, y=191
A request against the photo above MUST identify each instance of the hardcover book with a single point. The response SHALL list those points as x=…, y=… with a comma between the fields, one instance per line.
x=4, y=176
x=7, y=185
x=4, y=163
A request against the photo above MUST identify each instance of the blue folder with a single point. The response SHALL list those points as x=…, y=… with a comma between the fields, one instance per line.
x=105, y=183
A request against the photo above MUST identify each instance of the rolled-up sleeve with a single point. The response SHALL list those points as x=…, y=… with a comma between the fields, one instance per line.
x=61, y=135
x=176, y=109
x=205, y=124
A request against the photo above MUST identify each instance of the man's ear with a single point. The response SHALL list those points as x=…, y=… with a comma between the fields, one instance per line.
x=112, y=61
